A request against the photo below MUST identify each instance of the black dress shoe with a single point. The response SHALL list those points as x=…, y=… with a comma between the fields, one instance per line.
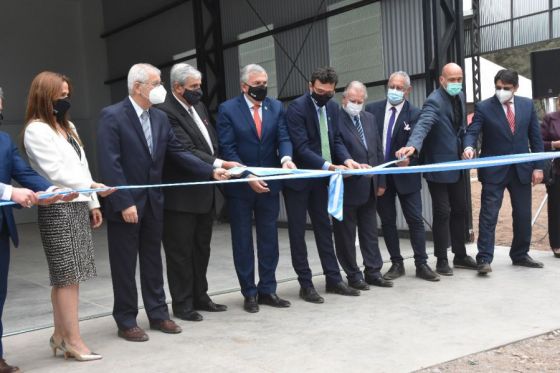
x=443, y=268
x=273, y=300
x=189, y=315
x=310, y=295
x=528, y=262
x=483, y=268
x=424, y=272
x=466, y=262
x=396, y=271
x=250, y=305
x=379, y=281
x=342, y=289
x=358, y=285
x=210, y=307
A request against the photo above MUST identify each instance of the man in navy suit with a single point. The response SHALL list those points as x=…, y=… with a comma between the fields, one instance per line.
x=397, y=117
x=313, y=126
x=437, y=136
x=252, y=131
x=14, y=167
x=133, y=141
x=509, y=125
x=358, y=131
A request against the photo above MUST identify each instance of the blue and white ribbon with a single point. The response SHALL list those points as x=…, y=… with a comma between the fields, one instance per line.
x=336, y=184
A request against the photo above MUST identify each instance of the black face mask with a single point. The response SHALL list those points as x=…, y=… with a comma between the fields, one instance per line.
x=192, y=96
x=60, y=108
x=258, y=93
x=321, y=100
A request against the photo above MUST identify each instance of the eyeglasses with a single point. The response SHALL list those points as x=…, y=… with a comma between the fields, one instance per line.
x=153, y=84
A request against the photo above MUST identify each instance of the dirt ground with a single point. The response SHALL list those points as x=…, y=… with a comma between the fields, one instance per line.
x=504, y=229
x=538, y=354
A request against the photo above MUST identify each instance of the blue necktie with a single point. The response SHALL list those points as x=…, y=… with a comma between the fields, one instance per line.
x=360, y=129
x=390, y=134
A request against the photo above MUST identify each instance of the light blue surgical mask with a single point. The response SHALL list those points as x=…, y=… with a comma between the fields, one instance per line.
x=394, y=96
x=454, y=88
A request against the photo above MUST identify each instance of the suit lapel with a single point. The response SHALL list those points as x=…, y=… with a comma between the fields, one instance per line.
x=136, y=125
x=349, y=123
x=499, y=112
x=244, y=108
x=264, y=119
x=314, y=114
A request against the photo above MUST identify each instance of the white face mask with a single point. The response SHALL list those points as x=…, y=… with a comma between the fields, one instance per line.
x=504, y=95
x=353, y=109
x=157, y=95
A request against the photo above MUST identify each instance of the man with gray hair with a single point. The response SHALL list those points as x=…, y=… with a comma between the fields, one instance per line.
x=358, y=131
x=133, y=140
x=398, y=117
x=252, y=131
x=188, y=212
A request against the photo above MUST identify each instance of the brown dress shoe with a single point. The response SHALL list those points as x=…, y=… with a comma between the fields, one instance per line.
x=135, y=334
x=166, y=326
x=5, y=368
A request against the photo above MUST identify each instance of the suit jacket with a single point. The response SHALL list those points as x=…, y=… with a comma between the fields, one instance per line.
x=435, y=137
x=550, y=131
x=14, y=167
x=193, y=199
x=358, y=189
x=124, y=158
x=240, y=142
x=303, y=126
x=405, y=183
x=497, y=138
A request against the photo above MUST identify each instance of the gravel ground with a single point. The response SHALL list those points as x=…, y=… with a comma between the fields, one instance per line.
x=537, y=354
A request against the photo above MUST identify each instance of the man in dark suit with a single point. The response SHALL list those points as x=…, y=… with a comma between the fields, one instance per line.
x=133, y=141
x=188, y=212
x=252, y=131
x=313, y=126
x=358, y=131
x=437, y=136
x=14, y=167
x=509, y=125
x=396, y=117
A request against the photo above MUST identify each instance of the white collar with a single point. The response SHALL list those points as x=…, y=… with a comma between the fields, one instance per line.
x=399, y=107
x=181, y=102
x=136, y=107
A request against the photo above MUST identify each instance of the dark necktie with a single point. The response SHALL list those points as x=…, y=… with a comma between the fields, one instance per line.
x=390, y=133
x=360, y=129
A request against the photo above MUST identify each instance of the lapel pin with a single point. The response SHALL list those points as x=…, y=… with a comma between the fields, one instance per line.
x=266, y=108
x=406, y=126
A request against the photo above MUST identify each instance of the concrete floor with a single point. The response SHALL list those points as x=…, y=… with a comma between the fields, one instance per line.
x=413, y=325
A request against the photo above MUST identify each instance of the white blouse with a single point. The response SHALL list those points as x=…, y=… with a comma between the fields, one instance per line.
x=54, y=158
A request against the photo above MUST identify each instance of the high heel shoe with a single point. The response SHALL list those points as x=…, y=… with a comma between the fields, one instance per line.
x=70, y=352
x=55, y=346
x=556, y=252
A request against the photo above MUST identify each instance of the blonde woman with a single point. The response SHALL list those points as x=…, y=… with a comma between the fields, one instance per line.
x=56, y=153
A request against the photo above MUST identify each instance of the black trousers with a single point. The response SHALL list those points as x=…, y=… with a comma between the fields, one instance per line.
x=312, y=199
x=126, y=243
x=186, y=241
x=411, y=205
x=362, y=217
x=4, y=266
x=449, y=208
x=554, y=213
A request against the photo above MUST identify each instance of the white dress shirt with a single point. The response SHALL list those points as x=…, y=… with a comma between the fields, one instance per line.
x=388, y=113
x=285, y=158
x=54, y=158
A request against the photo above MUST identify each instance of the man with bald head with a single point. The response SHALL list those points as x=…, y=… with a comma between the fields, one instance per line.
x=437, y=137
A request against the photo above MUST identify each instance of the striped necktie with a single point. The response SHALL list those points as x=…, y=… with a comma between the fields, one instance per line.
x=358, y=124
x=510, y=117
x=147, y=128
